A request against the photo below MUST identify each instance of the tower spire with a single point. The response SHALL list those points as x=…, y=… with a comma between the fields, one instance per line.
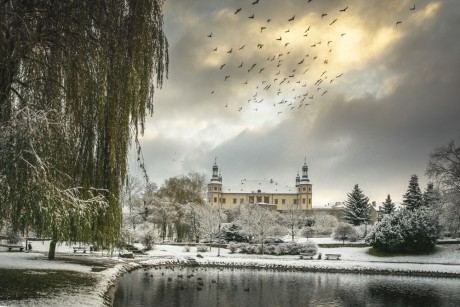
x=305, y=171
x=216, y=177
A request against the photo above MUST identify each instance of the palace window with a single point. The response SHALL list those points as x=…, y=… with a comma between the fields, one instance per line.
x=215, y=199
x=241, y=200
x=251, y=199
x=234, y=201
x=283, y=201
x=215, y=188
x=223, y=200
x=303, y=201
x=276, y=201
x=295, y=201
x=266, y=199
x=259, y=199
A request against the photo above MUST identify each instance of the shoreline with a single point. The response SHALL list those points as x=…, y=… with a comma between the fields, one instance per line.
x=443, y=263
x=256, y=264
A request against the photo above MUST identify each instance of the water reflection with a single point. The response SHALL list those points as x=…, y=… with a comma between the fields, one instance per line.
x=248, y=287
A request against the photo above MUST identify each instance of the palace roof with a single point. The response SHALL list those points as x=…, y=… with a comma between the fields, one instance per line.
x=259, y=186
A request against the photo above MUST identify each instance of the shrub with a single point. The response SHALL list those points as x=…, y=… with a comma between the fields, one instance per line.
x=201, y=248
x=232, y=247
x=269, y=249
x=281, y=249
x=290, y=248
x=309, y=248
x=405, y=231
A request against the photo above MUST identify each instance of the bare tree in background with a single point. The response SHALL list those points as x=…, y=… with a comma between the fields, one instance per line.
x=444, y=169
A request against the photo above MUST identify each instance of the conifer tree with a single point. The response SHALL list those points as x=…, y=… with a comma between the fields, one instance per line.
x=431, y=195
x=388, y=206
x=413, y=198
x=357, y=207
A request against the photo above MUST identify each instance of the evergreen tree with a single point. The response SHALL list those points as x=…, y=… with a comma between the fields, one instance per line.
x=413, y=198
x=357, y=207
x=388, y=206
x=431, y=195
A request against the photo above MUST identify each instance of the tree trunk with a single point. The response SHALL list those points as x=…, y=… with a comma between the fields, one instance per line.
x=52, y=250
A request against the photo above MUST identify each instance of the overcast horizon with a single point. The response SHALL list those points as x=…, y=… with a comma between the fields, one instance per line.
x=365, y=90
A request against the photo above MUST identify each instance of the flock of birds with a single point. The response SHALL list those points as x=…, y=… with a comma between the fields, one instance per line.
x=290, y=70
x=199, y=280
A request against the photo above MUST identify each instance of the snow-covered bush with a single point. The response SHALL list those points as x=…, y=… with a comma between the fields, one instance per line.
x=290, y=248
x=344, y=231
x=362, y=230
x=406, y=231
x=310, y=248
x=232, y=233
x=282, y=249
x=201, y=248
x=270, y=249
x=186, y=248
x=232, y=247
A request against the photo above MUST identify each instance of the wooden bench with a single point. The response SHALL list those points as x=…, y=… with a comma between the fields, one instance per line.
x=332, y=256
x=79, y=248
x=18, y=246
x=306, y=256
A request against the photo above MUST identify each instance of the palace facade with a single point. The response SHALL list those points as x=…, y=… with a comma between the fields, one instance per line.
x=267, y=193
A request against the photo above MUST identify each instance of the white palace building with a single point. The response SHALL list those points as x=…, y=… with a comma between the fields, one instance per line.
x=267, y=193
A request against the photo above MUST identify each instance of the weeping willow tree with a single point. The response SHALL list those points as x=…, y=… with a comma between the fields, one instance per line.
x=77, y=80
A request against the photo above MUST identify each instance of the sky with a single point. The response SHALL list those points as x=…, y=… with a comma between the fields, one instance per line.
x=364, y=90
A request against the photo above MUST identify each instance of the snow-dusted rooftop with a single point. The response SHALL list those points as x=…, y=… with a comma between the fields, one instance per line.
x=260, y=186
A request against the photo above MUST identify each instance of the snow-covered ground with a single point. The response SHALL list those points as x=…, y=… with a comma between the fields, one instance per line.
x=446, y=259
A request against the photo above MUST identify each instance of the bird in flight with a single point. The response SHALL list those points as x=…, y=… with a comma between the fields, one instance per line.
x=210, y=34
x=226, y=77
x=292, y=18
x=237, y=11
x=230, y=51
x=255, y=2
x=242, y=47
x=323, y=15
x=252, y=16
x=222, y=66
x=262, y=28
x=398, y=22
x=412, y=8
x=333, y=22
x=343, y=10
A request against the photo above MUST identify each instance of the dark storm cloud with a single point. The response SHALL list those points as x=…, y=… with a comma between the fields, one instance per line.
x=375, y=127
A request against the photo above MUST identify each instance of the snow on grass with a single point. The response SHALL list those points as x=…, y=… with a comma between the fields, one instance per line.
x=445, y=260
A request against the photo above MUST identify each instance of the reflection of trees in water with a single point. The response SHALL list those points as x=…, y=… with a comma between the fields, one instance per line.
x=404, y=291
x=250, y=287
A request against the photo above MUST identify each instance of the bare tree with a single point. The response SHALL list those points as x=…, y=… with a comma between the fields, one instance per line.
x=210, y=219
x=444, y=169
x=294, y=219
x=257, y=222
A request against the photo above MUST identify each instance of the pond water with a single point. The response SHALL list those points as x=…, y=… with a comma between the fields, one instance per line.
x=191, y=286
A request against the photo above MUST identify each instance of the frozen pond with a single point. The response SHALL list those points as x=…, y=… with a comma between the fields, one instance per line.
x=190, y=286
